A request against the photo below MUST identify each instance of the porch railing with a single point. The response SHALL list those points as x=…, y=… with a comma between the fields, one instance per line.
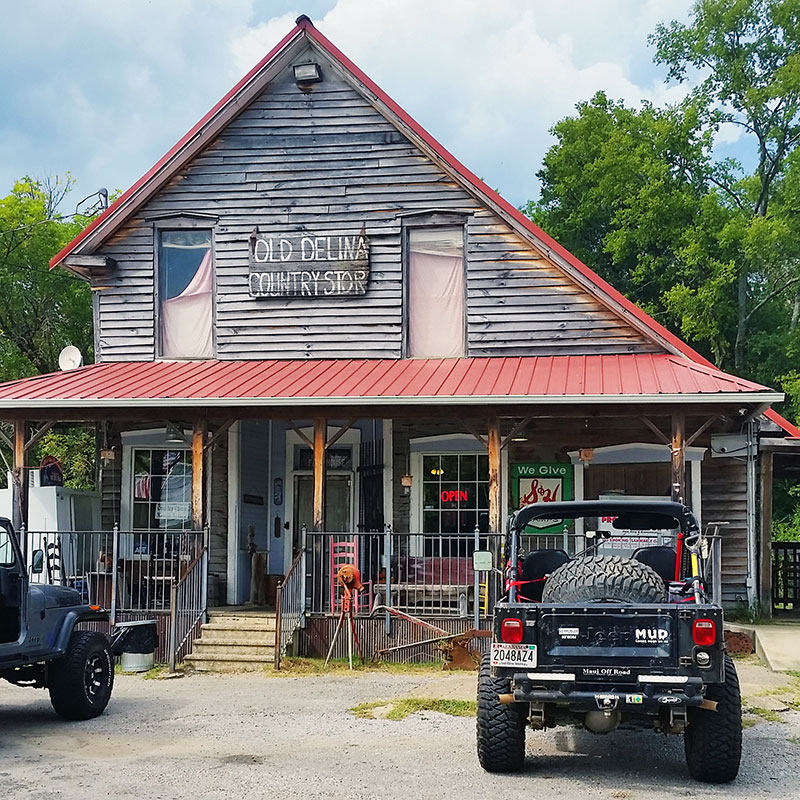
x=188, y=606
x=289, y=607
x=135, y=575
x=786, y=576
x=123, y=571
x=428, y=574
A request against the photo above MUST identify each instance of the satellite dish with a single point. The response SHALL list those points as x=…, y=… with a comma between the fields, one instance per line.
x=70, y=358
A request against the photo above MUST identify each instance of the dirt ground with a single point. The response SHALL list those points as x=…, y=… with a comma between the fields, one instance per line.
x=253, y=736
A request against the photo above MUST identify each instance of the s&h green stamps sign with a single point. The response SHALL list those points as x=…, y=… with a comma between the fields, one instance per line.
x=542, y=483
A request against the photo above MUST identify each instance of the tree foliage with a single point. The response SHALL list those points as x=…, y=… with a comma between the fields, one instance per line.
x=42, y=310
x=712, y=251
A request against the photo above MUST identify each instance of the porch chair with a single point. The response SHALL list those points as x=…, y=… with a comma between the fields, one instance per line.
x=345, y=551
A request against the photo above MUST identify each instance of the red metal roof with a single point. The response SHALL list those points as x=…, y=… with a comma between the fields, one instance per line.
x=567, y=379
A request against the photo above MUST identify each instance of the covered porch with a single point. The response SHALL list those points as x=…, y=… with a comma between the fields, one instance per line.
x=284, y=470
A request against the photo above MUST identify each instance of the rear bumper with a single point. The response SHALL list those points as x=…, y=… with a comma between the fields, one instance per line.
x=644, y=696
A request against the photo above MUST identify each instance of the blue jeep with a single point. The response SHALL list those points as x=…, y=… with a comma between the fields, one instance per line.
x=40, y=645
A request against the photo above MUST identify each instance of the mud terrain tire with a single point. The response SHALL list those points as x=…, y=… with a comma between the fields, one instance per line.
x=80, y=683
x=603, y=578
x=501, y=728
x=713, y=739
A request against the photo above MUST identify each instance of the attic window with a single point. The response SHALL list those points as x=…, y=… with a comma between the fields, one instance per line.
x=435, y=293
x=185, y=292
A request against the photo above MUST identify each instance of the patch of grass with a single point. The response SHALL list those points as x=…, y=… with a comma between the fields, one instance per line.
x=752, y=659
x=307, y=667
x=405, y=706
x=155, y=672
x=749, y=722
x=766, y=713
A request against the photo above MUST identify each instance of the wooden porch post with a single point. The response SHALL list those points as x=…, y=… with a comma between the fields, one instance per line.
x=198, y=449
x=19, y=500
x=493, y=444
x=765, y=556
x=320, y=434
x=679, y=457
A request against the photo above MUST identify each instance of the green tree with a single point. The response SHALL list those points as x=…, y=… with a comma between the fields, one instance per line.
x=710, y=251
x=42, y=310
x=748, y=54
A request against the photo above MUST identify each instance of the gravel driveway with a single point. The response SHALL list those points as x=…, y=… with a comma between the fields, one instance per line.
x=250, y=736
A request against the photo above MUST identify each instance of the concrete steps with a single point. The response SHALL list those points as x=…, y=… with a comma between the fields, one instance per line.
x=235, y=640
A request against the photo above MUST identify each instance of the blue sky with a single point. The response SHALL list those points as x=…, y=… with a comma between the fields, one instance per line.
x=103, y=89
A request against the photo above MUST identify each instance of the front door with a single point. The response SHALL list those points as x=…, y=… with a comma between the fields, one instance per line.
x=338, y=505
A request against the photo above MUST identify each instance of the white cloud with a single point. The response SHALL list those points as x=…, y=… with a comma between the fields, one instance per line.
x=118, y=83
x=488, y=80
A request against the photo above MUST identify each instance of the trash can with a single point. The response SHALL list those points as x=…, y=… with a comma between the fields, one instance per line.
x=139, y=640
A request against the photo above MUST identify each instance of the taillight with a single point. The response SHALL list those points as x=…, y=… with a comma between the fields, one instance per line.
x=704, y=632
x=511, y=630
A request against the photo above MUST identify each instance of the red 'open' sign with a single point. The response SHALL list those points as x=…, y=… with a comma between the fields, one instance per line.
x=451, y=496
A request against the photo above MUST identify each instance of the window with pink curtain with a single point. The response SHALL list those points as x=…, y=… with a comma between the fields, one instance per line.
x=435, y=292
x=185, y=293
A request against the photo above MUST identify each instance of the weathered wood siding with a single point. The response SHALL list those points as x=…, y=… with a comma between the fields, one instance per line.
x=328, y=162
x=724, y=484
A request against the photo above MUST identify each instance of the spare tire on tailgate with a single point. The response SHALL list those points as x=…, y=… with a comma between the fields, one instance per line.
x=603, y=578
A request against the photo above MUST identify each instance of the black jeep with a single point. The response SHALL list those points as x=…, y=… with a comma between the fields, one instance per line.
x=618, y=635
x=40, y=643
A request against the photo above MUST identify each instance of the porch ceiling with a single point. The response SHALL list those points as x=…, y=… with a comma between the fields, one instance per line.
x=600, y=379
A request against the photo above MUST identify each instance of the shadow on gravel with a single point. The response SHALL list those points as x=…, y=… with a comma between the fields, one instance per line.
x=626, y=763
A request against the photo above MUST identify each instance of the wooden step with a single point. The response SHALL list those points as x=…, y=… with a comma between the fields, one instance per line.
x=243, y=622
x=217, y=663
x=204, y=650
x=213, y=634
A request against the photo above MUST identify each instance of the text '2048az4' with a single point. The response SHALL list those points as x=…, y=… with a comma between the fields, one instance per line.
x=605, y=639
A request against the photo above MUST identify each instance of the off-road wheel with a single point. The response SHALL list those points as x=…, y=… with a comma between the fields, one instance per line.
x=501, y=728
x=713, y=739
x=80, y=683
x=603, y=578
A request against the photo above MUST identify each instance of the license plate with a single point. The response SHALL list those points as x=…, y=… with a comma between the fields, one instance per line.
x=513, y=655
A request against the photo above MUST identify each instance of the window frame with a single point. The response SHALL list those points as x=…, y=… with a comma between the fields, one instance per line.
x=183, y=222
x=427, y=220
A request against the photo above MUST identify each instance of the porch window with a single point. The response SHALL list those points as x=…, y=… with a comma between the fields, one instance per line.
x=162, y=490
x=455, y=493
x=185, y=292
x=435, y=293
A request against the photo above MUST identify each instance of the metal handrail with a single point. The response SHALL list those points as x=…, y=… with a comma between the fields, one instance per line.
x=295, y=579
x=188, y=605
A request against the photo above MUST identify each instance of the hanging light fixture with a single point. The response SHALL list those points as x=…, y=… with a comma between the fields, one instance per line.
x=174, y=435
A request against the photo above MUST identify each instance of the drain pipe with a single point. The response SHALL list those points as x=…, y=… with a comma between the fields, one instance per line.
x=751, y=432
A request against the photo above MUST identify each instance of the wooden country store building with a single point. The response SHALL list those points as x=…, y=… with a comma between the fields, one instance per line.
x=321, y=338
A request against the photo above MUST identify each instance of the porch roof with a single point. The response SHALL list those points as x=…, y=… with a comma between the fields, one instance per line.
x=602, y=379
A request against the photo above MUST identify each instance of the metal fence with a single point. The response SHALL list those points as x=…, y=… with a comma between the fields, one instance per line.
x=289, y=610
x=123, y=571
x=188, y=603
x=156, y=574
x=432, y=574
x=786, y=576
x=417, y=573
